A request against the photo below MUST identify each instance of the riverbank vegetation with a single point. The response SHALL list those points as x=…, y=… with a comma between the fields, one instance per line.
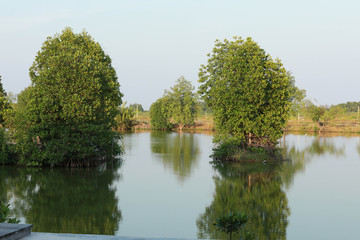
x=72, y=113
x=5, y=213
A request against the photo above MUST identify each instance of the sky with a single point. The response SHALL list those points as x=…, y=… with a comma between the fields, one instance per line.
x=154, y=42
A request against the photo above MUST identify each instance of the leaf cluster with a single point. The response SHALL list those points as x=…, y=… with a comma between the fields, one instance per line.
x=5, y=213
x=5, y=107
x=160, y=114
x=232, y=222
x=182, y=102
x=322, y=114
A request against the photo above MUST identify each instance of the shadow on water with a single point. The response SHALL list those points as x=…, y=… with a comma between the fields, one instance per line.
x=178, y=152
x=64, y=200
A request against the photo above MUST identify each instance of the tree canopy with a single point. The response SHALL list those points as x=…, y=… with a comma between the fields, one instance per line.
x=72, y=105
x=4, y=104
x=159, y=114
x=179, y=103
x=248, y=91
x=182, y=102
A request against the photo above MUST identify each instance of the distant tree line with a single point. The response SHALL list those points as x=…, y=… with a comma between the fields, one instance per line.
x=349, y=106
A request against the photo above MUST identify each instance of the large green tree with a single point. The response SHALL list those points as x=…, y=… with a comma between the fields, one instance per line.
x=71, y=110
x=248, y=91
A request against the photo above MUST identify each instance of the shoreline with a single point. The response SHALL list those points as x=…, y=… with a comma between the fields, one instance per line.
x=293, y=126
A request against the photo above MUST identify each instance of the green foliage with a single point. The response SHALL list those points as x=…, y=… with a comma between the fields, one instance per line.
x=182, y=102
x=315, y=112
x=6, y=154
x=248, y=91
x=5, y=213
x=5, y=106
x=333, y=112
x=72, y=104
x=232, y=222
x=322, y=114
x=230, y=151
x=224, y=151
x=136, y=107
x=350, y=106
x=296, y=95
x=178, y=104
x=160, y=115
x=203, y=108
x=125, y=118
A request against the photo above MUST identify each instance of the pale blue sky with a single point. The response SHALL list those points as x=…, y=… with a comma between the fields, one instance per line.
x=153, y=42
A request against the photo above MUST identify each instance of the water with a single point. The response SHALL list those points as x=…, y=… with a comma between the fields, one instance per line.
x=165, y=187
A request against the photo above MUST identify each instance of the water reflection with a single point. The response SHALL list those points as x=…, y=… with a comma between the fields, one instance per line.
x=253, y=189
x=64, y=200
x=300, y=155
x=154, y=204
x=178, y=152
x=258, y=190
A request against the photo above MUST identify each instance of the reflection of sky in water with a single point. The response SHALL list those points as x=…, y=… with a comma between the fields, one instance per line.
x=324, y=199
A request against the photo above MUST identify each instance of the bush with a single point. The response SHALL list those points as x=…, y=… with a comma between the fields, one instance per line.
x=160, y=115
x=125, y=119
x=224, y=151
x=5, y=213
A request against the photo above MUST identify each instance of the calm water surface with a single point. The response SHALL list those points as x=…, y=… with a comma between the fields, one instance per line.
x=165, y=187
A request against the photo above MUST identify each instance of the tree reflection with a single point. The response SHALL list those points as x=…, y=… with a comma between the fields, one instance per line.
x=64, y=200
x=299, y=158
x=251, y=188
x=178, y=152
x=256, y=189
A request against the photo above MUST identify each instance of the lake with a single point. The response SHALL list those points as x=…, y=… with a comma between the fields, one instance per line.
x=165, y=186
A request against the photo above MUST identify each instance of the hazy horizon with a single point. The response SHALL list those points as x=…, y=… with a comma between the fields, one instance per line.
x=152, y=43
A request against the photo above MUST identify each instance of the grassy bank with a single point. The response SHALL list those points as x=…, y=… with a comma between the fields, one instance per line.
x=344, y=124
x=227, y=152
x=202, y=123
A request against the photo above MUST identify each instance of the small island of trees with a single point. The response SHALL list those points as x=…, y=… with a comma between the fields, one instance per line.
x=72, y=113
